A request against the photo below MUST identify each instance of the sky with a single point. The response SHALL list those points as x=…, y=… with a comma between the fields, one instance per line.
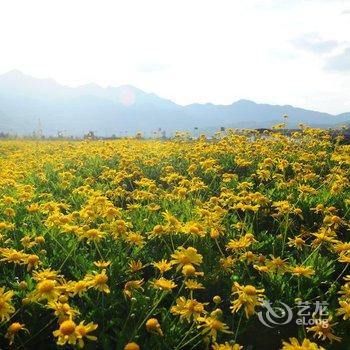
x=293, y=52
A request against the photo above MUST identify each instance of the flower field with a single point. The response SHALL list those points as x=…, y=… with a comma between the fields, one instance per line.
x=176, y=244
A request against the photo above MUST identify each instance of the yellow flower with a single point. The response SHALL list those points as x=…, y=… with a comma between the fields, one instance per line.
x=153, y=207
x=6, y=309
x=131, y=285
x=111, y=213
x=277, y=264
x=227, y=263
x=344, y=257
x=135, y=239
x=12, y=255
x=135, y=265
x=194, y=228
x=62, y=310
x=133, y=206
x=190, y=270
x=27, y=242
x=131, y=346
x=23, y=285
x=46, y=290
x=217, y=299
x=164, y=284
x=263, y=268
x=345, y=290
x=188, y=308
x=248, y=297
x=33, y=208
x=323, y=330
x=297, y=242
x=184, y=256
x=13, y=329
x=92, y=235
x=214, y=233
x=158, y=230
x=78, y=287
x=39, y=239
x=66, y=333
x=9, y=212
x=163, y=265
x=99, y=281
x=324, y=236
x=193, y=284
x=226, y=346
x=8, y=200
x=305, y=271
x=172, y=221
x=6, y=226
x=153, y=326
x=32, y=261
x=242, y=243
x=102, y=264
x=82, y=331
x=306, y=344
x=211, y=326
x=46, y=274
x=344, y=309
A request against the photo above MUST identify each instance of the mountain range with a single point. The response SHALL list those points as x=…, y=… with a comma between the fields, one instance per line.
x=24, y=101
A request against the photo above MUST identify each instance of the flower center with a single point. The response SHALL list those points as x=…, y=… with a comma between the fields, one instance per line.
x=67, y=327
x=101, y=279
x=47, y=286
x=15, y=327
x=250, y=290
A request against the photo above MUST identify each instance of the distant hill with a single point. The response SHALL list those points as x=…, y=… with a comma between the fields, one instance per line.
x=126, y=109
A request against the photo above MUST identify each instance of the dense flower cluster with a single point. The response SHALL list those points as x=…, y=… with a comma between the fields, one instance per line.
x=144, y=244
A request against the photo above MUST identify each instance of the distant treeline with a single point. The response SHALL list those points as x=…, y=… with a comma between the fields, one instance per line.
x=6, y=135
x=345, y=133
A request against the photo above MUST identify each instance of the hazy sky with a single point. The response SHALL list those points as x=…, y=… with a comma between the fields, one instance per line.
x=274, y=51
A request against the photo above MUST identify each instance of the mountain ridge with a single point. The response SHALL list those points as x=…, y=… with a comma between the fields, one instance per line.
x=127, y=109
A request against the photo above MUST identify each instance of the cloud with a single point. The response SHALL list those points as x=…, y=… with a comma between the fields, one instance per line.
x=152, y=67
x=314, y=43
x=290, y=4
x=345, y=12
x=340, y=63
